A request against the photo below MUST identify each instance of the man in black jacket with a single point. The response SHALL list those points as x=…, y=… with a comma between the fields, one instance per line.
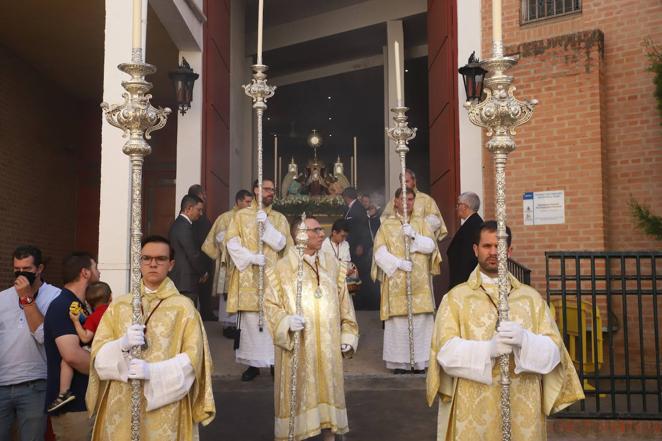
x=190, y=268
x=461, y=258
x=201, y=229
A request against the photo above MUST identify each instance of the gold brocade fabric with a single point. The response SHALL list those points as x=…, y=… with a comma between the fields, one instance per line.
x=215, y=250
x=469, y=410
x=242, y=285
x=330, y=321
x=394, y=288
x=174, y=328
x=424, y=206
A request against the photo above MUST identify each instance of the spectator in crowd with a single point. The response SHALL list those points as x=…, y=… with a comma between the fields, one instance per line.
x=22, y=355
x=190, y=268
x=461, y=257
x=201, y=229
x=98, y=296
x=70, y=422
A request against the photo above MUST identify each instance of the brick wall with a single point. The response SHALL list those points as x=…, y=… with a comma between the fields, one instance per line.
x=595, y=134
x=38, y=149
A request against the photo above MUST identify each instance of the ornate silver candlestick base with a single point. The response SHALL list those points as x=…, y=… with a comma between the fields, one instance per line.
x=401, y=134
x=137, y=118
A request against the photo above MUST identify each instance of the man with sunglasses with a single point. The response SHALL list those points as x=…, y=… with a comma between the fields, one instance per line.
x=175, y=365
x=255, y=346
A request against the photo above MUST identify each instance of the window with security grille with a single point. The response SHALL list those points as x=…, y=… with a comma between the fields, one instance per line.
x=534, y=10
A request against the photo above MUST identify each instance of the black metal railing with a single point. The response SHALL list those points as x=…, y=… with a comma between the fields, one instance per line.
x=521, y=273
x=608, y=306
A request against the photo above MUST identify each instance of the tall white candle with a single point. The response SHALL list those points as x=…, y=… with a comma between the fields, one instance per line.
x=260, y=20
x=280, y=172
x=356, y=165
x=276, y=177
x=137, y=24
x=496, y=21
x=351, y=171
x=398, y=80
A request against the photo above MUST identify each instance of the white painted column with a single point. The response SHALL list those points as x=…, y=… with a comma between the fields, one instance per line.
x=114, y=193
x=391, y=159
x=241, y=137
x=189, y=134
x=471, y=146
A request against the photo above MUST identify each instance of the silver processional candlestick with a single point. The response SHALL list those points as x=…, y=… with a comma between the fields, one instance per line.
x=500, y=113
x=260, y=92
x=137, y=118
x=401, y=134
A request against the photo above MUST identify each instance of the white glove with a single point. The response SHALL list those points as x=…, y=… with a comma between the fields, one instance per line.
x=511, y=333
x=408, y=230
x=497, y=347
x=405, y=265
x=138, y=369
x=297, y=323
x=219, y=237
x=345, y=347
x=261, y=216
x=135, y=336
x=258, y=259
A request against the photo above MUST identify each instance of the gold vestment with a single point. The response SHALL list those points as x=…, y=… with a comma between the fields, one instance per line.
x=330, y=322
x=469, y=410
x=214, y=250
x=174, y=327
x=242, y=285
x=424, y=205
x=394, y=288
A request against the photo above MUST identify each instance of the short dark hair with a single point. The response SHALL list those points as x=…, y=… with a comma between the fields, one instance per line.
x=295, y=224
x=241, y=195
x=74, y=263
x=350, y=192
x=189, y=200
x=340, y=225
x=255, y=183
x=491, y=226
x=25, y=251
x=98, y=293
x=196, y=190
x=398, y=192
x=155, y=238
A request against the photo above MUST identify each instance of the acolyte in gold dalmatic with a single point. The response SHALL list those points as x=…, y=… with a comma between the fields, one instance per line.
x=393, y=289
x=469, y=410
x=212, y=248
x=330, y=321
x=174, y=328
x=424, y=206
x=242, y=285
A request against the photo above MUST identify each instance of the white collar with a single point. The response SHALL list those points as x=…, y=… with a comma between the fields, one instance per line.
x=310, y=258
x=186, y=217
x=487, y=280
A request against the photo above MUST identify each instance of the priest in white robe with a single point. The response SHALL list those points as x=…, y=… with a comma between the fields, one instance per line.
x=329, y=332
x=464, y=373
x=391, y=268
x=256, y=349
x=175, y=366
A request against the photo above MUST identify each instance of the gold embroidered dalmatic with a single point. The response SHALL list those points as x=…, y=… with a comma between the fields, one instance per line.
x=424, y=206
x=469, y=410
x=174, y=328
x=214, y=250
x=330, y=322
x=242, y=285
x=394, y=288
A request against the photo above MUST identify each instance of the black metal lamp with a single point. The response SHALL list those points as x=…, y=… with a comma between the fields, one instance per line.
x=183, y=79
x=473, y=75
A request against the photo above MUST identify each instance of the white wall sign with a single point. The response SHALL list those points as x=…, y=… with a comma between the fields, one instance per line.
x=543, y=207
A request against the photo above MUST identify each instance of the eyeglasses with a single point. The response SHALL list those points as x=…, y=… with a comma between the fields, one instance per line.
x=268, y=189
x=317, y=230
x=160, y=260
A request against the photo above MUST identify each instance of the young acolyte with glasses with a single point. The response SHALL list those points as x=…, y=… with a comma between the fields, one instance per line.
x=175, y=365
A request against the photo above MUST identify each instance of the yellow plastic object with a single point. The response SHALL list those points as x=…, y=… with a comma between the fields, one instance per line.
x=592, y=357
x=75, y=308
